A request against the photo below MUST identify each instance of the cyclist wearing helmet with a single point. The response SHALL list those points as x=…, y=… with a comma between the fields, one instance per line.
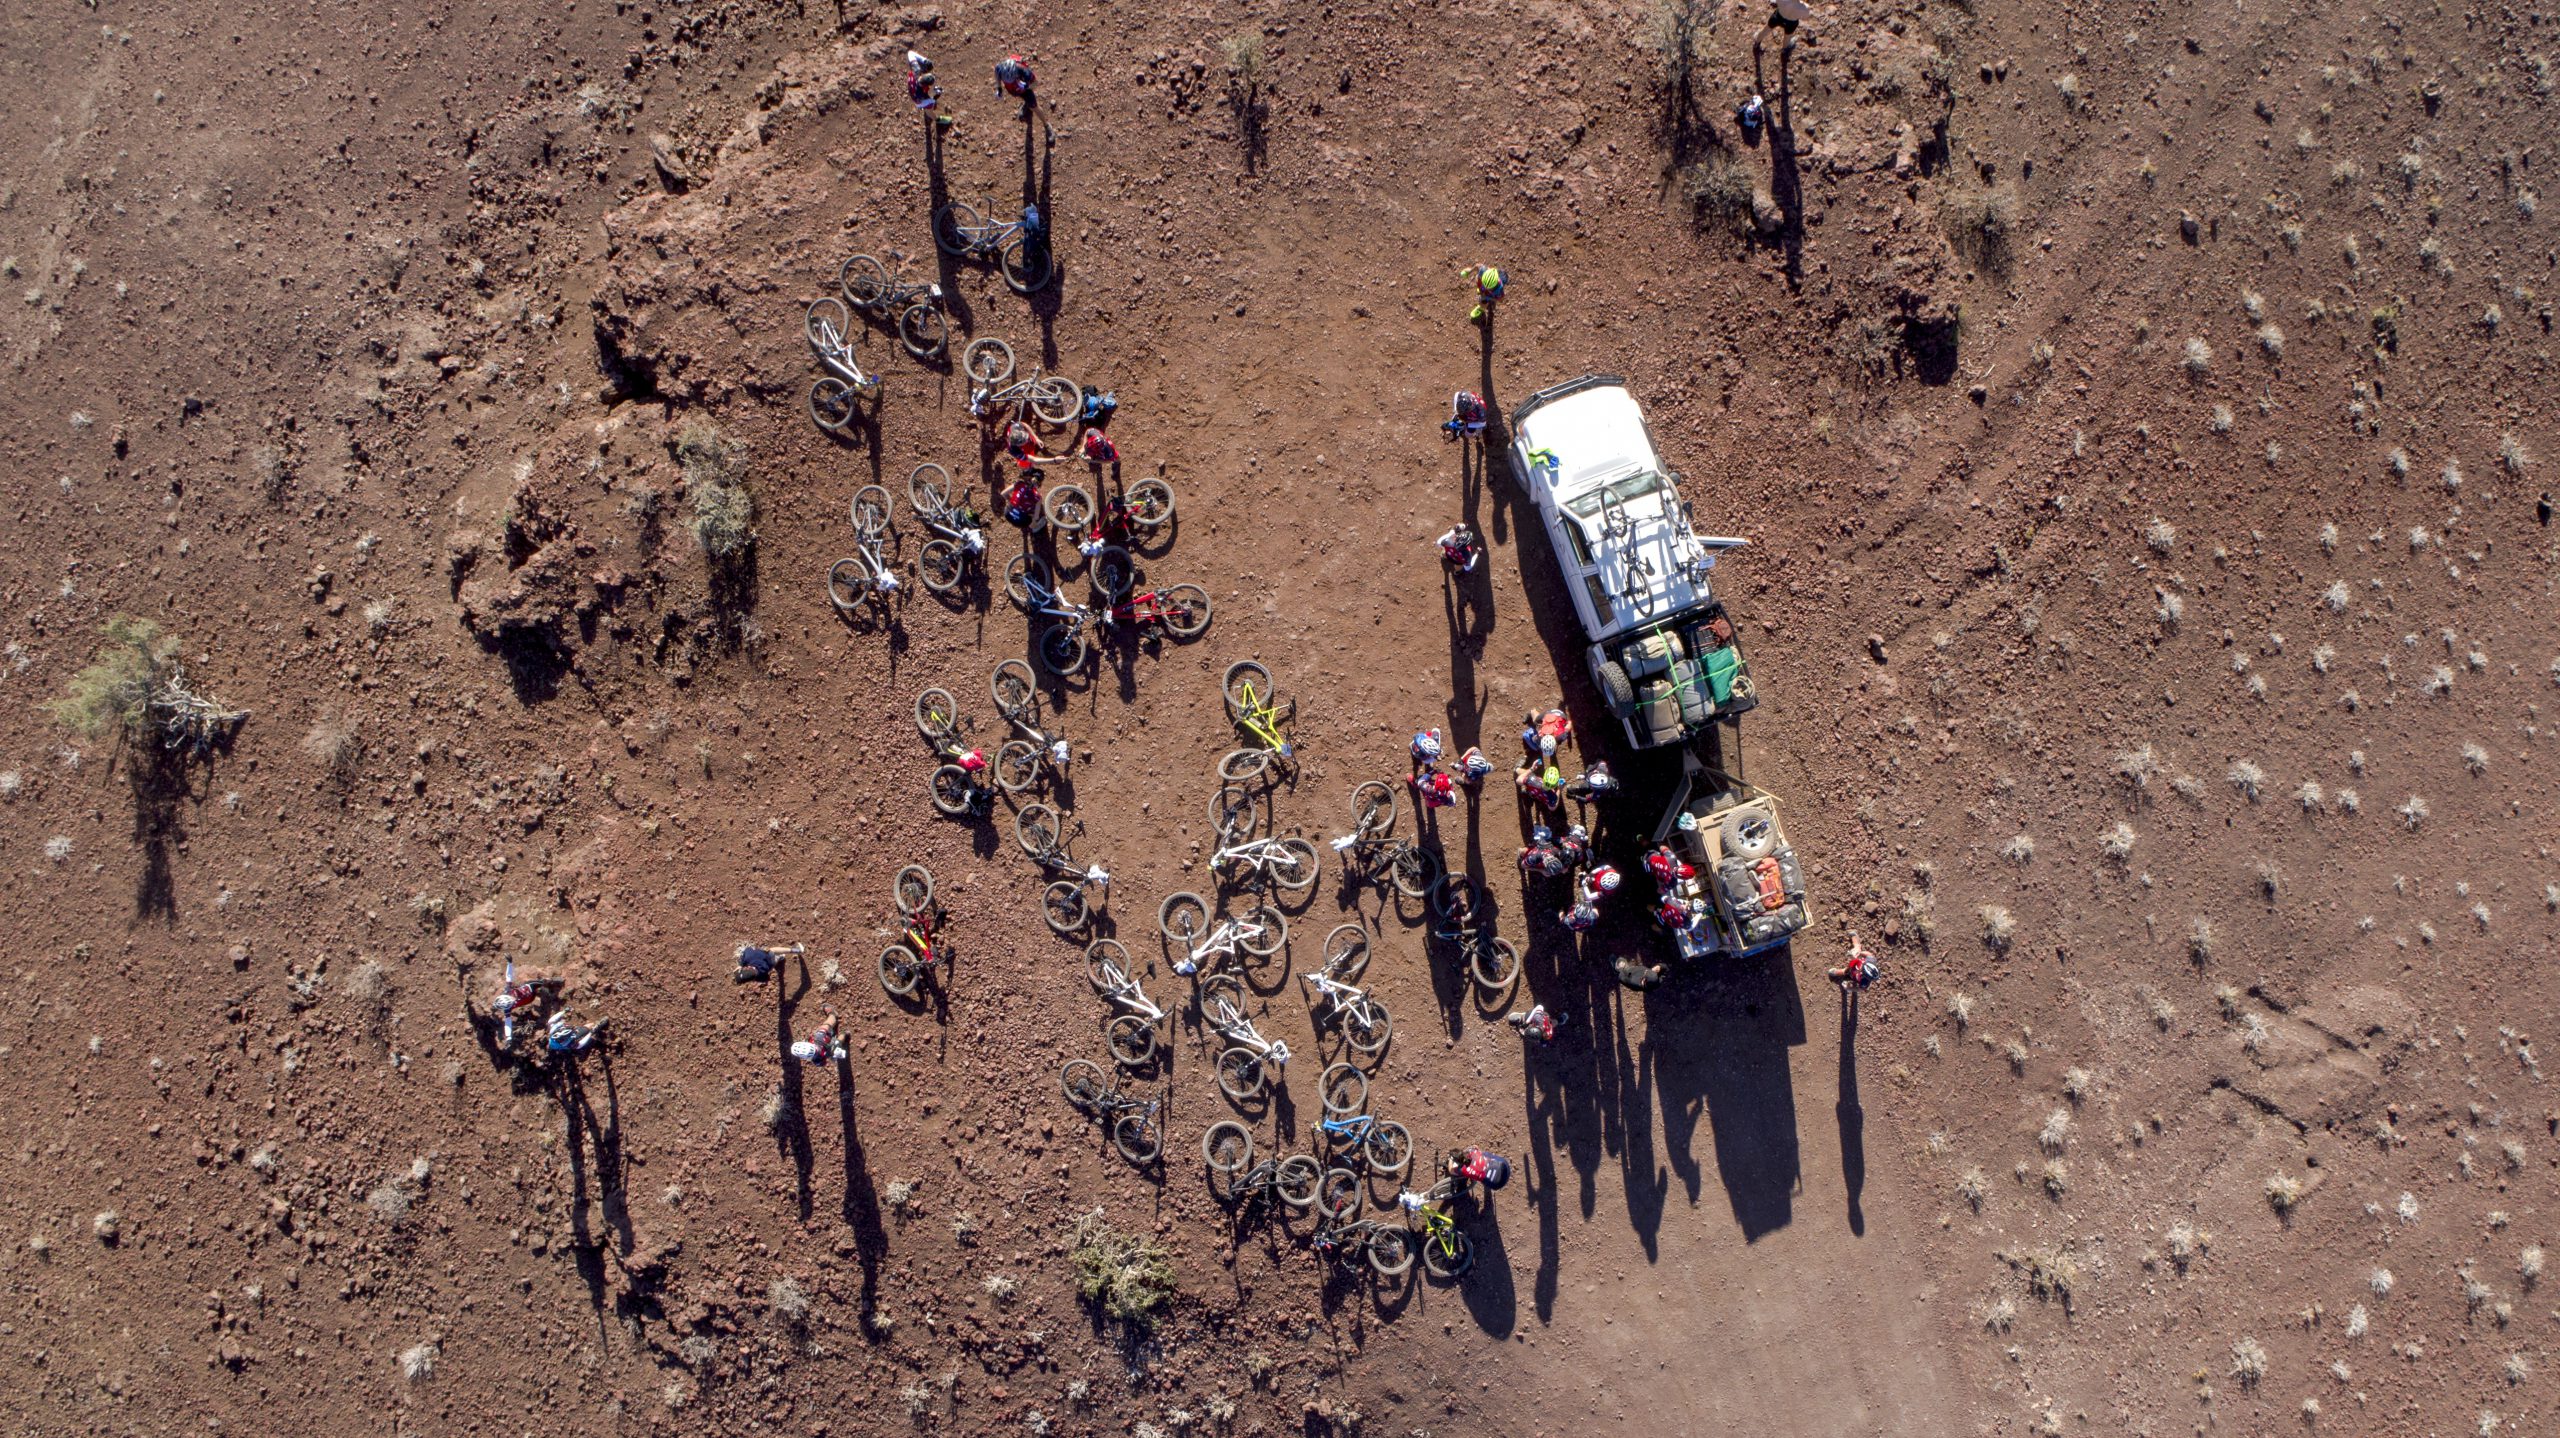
x=1489, y=284
x=1426, y=747
x=1432, y=783
x=1540, y=858
x=1473, y=767
x=1466, y=415
x=823, y=1046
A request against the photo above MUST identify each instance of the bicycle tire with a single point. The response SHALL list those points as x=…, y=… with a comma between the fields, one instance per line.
x=1134, y=1134
x=1222, y=1000
x=1035, y=828
x=1495, y=964
x=1018, y=766
x=929, y=489
x=1458, y=895
x=1337, y=1194
x=1113, y=573
x=1301, y=870
x=1020, y=573
x=1182, y=918
x=1233, y=815
x=1057, y=400
x=1150, y=504
x=1027, y=265
x=819, y=325
x=941, y=566
x=1373, y=809
x=924, y=332
x=1062, y=650
x=864, y=281
x=899, y=974
x=1015, y=692
x=1387, y=1148
x=1274, y=935
x=912, y=891
x=988, y=361
x=1343, y=1090
x=1450, y=1262
x=1069, y=508
x=957, y=230
x=938, y=717
x=871, y=510
x=1062, y=904
x=1106, y=964
x=1368, y=1029
x=1084, y=1083
x=1227, y=1147
x=953, y=794
x=1389, y=1252
x=831, y=404
x=1243, y=766
x=1415, y=871
x=1185, y=608
x=1295, y=1179
x=1346, y=952
x=849, y=583
x=1240, y=1075
x=1131, y=1039
x=1251, y=671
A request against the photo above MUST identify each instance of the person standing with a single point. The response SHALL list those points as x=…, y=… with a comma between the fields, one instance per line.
x=1460, y=549
x=1013, y=77
x=1489, y=283
x=824, y=1046
x=1858, y=970
x=925, y=93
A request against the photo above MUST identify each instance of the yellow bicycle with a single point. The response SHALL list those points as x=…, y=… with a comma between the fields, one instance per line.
x=1446, y=1252
x=1264, y=720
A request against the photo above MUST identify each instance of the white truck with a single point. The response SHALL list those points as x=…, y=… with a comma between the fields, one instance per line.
x=1659, y=645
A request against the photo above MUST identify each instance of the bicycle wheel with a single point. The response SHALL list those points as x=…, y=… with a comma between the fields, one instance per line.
x=942, y=566
x=1388, y=1148
x=831, y=403
x=1415, y=870
x=1083, y=1082
x=1343, y=1090
x=1346, y=952
x=1266, y=932
x=1027, y=265
x=1070, y=509
x=1113, y=572
x=1458, y=898
x=1296, y=1180
x=1150, y=504
x=1058, y=401
x=899, y=973
x=1222, y=1000
x=1495, y=964
x=957, y=229
x=1390, y=1252
x=1062, y=650
x=1062, y=904
x=1243, y=766
x=871, y=511
x=1296, y=870
x=1183, y=918
x=1018, y=766
x=1011, y=687
x=1131, y=1039
x=1337, y=1193
x=1240, y=1074
x=923, y=330
x=1035, y=828
x=1367, y=1028
x=828, y=325
x=988, y=360
x=1373, y=809
x=914, y=889
x=1106, y=963
x=929, y=489
x=1134, y=1134
x=864, y=281
x=1020, y=574
x=938, y=717
x=1228, y=1147
x=1185, y=608
x=1448, y=1255
x=1246, y=680
x=1233, y=816
x=849, y=583
x=953, y=794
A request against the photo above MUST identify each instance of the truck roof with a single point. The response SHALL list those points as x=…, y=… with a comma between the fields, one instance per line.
x=1630, y=556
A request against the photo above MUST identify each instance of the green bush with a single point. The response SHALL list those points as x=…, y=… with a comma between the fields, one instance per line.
x=114, y=695
x=1130, y=1276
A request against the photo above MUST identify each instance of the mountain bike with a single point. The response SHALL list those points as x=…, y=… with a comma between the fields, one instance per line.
x=1104, y=536
x=921, y=948
x=835, y=397
x=1447, y=1253
x=1246, y=1066
x=1184, y=919
x=960, y=537
x=1343, y=1090
x=1228, y=1148
x=1263, y=719
x=1288, y=865
x=1362, y=1019
x=1054, y=399
x=1023, y=763
x=1018, y=248
x=1372, y=853
x=1181, y=610
x=956, y=785
x=1385, y=1248
x=1062, y=646
x=1130, y=1120
x=1064, y=903
x=866, y=576
x=1380, y=1145
x=869, y=287
x=1463, y=909
x=1132, y=1035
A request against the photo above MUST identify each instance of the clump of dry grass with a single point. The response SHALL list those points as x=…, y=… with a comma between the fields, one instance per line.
x=2246, y=777
x=2137, y=766
x=2283, y=1192
x=2196, y=358
x=1999, y=926
x=2117, y=843
x=2248, y=1362
x=2019, y=850
x=2160, y=535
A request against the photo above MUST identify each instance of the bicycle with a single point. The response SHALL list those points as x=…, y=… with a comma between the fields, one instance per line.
x=955, y=785
x=921, y=948
x=1447, y=1253
x=1371, y=852
x=1063, y=903
x=1362, y=1019
x=960, y=539
x=1381, y=1146
x=1129, y=1120
x=1385, y=1248
x=866, y=575
x=1120, y=524
x=1228, y=1149
x=1249, y=1060
x=1181, y=610
x=1184, y=920
x=1062, y=646
x=1288, y=865
x=1130, y=1036
x=1250, y=705
x=1056, y=400
x=869, y=287
x=833, y=399
x=1459, y=905
x=1018, y=248
x=1023, y=763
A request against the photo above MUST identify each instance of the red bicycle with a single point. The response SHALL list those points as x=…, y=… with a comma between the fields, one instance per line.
x=1181, y=610
x=1107, y=533
x=903, y=968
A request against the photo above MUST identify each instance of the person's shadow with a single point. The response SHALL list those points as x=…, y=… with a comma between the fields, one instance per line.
x=1853, y=1119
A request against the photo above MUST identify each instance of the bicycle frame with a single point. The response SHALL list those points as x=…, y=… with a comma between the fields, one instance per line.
x=1224, y=941
x=1128, y=994
x=1257, y=857
x=1239, y=1032
x=1261, y=718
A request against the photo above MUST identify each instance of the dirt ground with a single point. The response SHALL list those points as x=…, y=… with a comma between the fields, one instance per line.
x=2141, y=419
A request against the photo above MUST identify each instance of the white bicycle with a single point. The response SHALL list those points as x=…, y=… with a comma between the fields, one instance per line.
x=1246, y=1067
x=1288, y=865
x=1131, y=1035
x=1258, y=933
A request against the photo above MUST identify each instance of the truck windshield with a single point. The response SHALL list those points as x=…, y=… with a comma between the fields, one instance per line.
x=1634, y=486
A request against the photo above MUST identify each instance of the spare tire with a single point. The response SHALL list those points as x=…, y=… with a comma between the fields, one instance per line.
x=1614, y=684
x=1750, y=832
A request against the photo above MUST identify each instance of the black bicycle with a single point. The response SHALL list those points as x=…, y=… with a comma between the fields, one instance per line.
x=869, y=287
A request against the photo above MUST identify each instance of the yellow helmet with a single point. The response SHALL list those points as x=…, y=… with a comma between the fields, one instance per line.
x=1489, y=279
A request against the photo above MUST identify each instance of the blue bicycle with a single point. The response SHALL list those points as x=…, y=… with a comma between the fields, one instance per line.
x=1381, y=1144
